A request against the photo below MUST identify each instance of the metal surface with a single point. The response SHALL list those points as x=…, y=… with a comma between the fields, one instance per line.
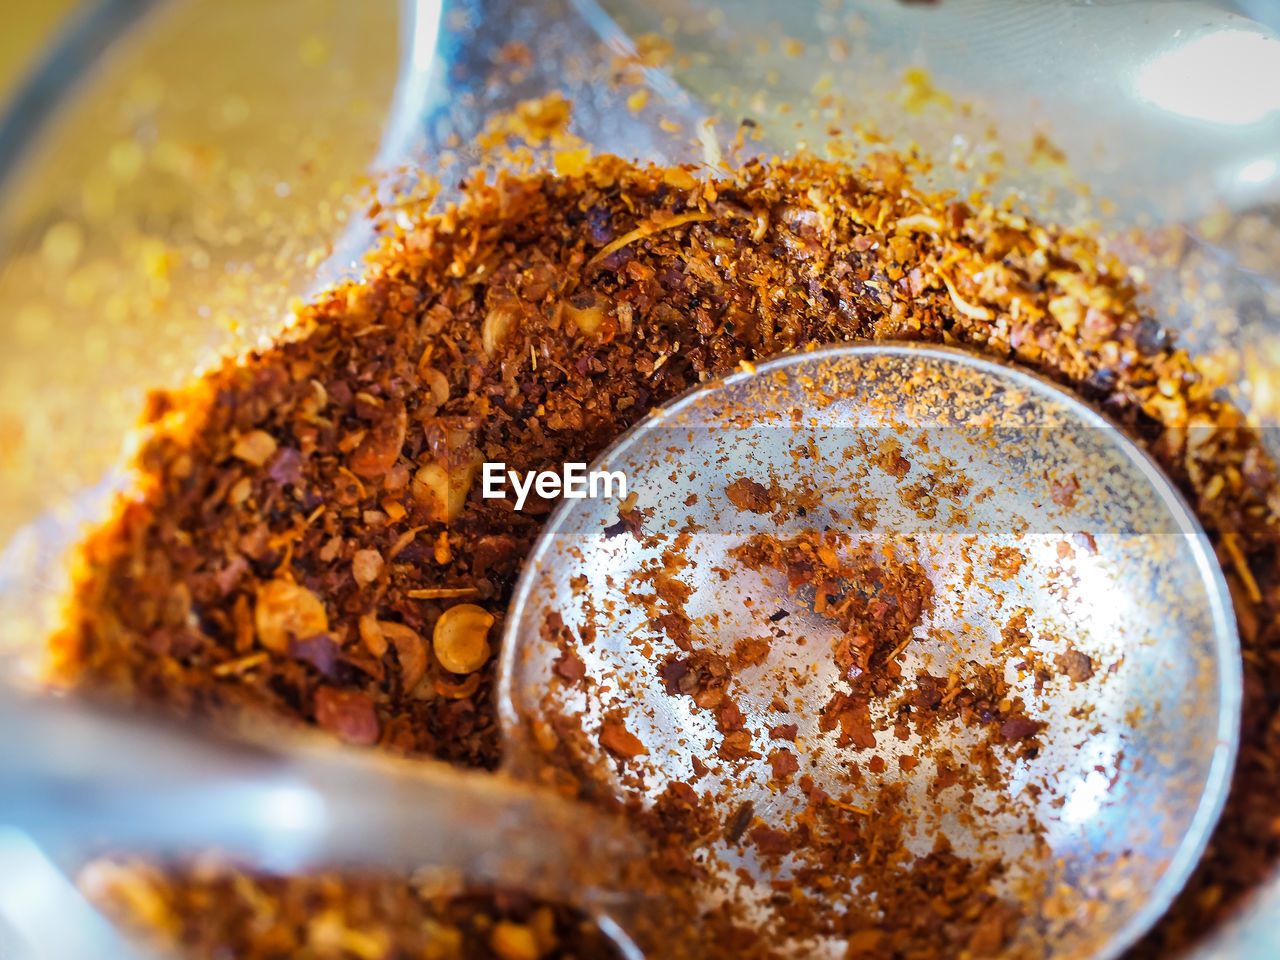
x=80, y=778
x=1136, y=760
x=137, y=783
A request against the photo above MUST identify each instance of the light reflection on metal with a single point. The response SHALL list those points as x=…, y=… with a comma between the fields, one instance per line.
x=41, y=905
x=1257, y=171
x=1229, y=77
x=421, y=20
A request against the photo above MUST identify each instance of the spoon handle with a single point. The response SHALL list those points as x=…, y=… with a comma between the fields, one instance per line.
x=103, y=780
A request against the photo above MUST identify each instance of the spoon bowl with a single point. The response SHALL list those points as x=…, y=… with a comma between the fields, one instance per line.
x=901, y=594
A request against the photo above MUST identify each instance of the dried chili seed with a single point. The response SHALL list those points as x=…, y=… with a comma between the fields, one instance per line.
x=441, y=491
x=255, y=447
x=499, y=323
x=587, y=317
x=461, y=638
x=371, y=634
x=410, y=650
x=459, y=690
x=436, y=382
x=365, y=566
x=285, y=611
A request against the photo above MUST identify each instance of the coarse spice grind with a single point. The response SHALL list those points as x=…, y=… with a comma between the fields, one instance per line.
x=304, y=538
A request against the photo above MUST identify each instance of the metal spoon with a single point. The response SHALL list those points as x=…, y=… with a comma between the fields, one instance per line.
x=82, y=778
x=966, y=466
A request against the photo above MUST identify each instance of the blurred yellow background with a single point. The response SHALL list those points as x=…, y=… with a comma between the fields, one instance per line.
x=25, y=30
x=168, y=210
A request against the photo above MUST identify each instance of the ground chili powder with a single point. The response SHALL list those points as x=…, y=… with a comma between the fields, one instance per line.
x=303, y=516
